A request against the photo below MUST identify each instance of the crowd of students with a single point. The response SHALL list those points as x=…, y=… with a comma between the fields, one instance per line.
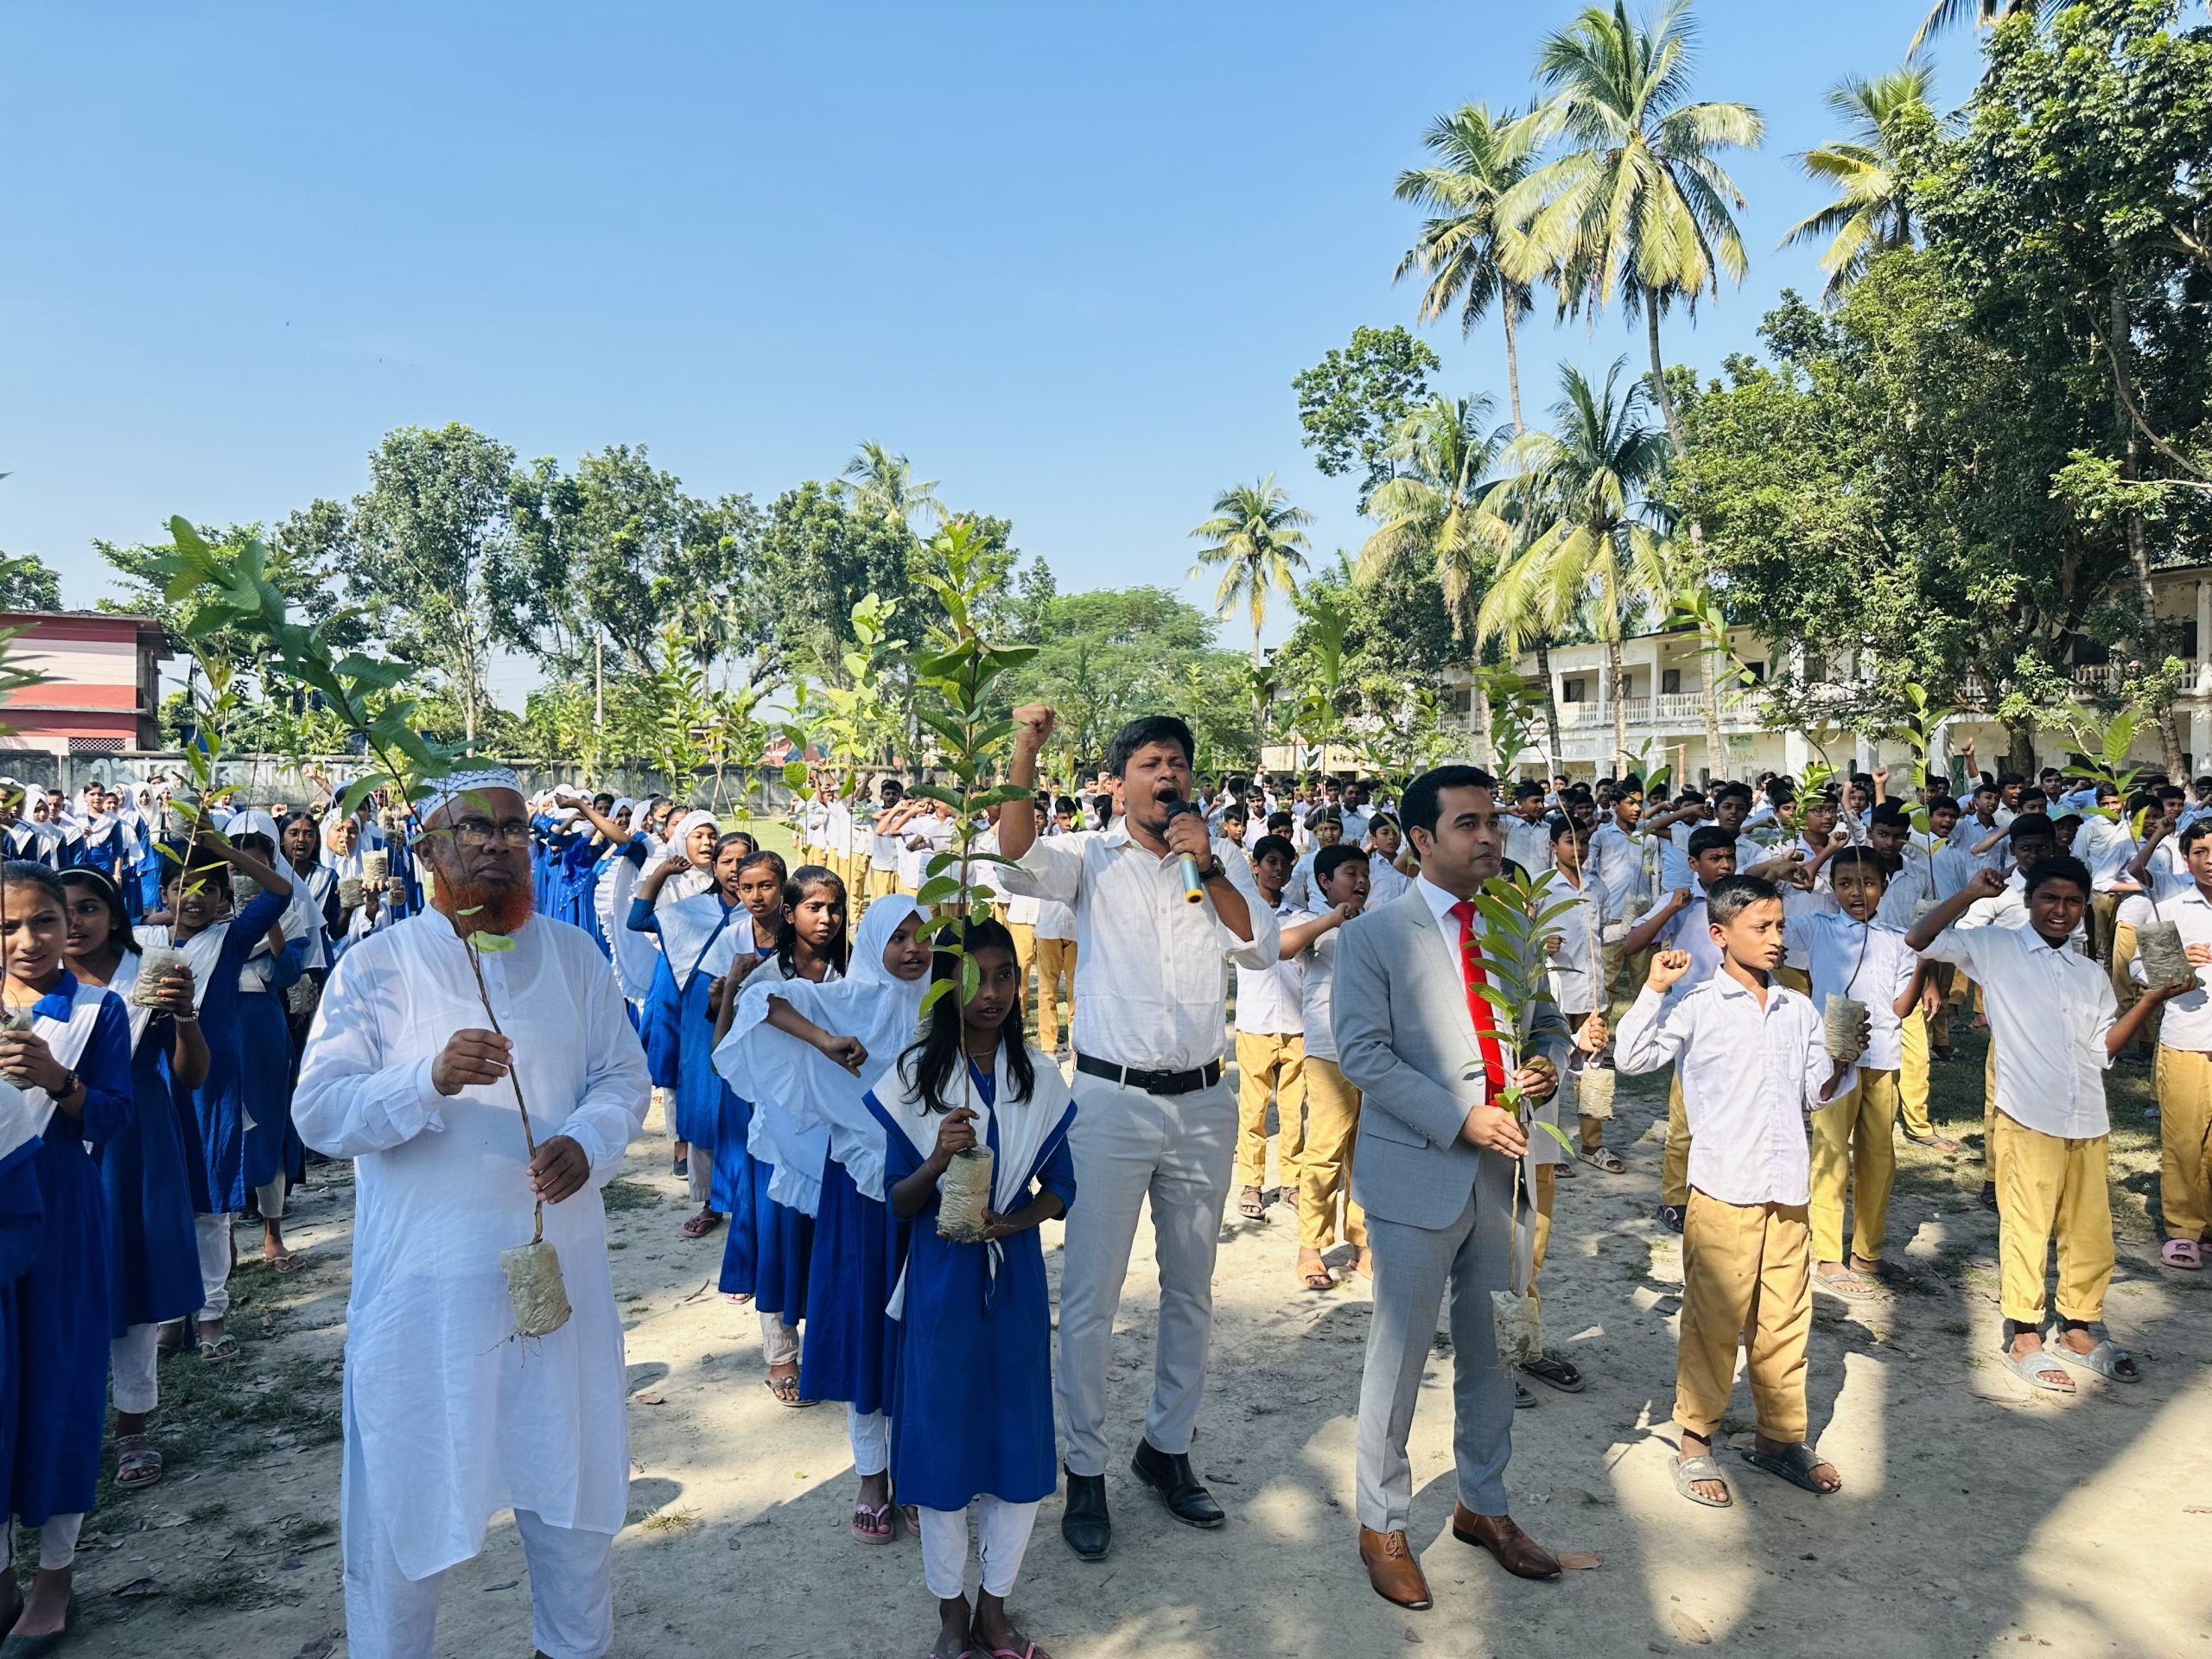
x=1798, y=958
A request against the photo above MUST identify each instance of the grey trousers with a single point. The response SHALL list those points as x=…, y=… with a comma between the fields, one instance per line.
x=1414, y=1267
x=1178, y=1151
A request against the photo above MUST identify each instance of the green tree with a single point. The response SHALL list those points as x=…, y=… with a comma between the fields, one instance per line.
x=818, y=559
x=1945, y=15
x=1351, y=402
x=1638, y=208
x=1257, y=539
x=1873, y=209
x=29, y=583
x=1479, y=157
x=881, y=486
x=433, y=532
x=1587, y=489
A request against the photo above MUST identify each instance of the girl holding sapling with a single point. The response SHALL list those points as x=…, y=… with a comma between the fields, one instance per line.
x=972, y=1408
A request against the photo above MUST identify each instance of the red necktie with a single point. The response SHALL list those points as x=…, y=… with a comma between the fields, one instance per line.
x=1478, y=1007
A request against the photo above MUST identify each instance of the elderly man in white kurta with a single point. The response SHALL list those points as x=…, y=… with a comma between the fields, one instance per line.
x=450, y=1416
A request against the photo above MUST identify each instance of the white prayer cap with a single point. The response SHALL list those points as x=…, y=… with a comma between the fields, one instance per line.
x=445, y=790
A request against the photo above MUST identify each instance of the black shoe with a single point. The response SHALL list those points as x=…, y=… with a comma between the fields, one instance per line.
x=1989, y=1195
x=1178, y=1487
x=1085, y=1523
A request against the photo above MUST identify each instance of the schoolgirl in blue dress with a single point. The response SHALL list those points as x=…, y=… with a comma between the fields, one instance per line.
x=73, y=1069
x=216, y=947
x=153, y=1261
x=809, y=1047
x=276, y=1156
x=971, y=1413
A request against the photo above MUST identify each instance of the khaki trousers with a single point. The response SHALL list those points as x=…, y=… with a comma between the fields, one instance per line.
x=1547, y=1190
x=1989, y=1108
x=1675, y=1165
x=2125, y=988
x=1324, y=1170
x=1055, y=960
x=882, y=883
x=2184, y=1084
x=1270, y=1066
x=2046, y=1184
x=1854, y=1145
x=1025, y=953
x=1796, y=979
x=1747, y=1277
x=1913, y=1061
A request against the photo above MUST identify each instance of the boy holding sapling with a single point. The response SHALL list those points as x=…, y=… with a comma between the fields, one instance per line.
x=1752, y=1058
x=2054, y=1028
x=2184, y=1074
x=1864, y=965
x=1575, y=969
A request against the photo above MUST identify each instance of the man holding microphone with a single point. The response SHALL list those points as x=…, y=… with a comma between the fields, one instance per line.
x=1159, y=904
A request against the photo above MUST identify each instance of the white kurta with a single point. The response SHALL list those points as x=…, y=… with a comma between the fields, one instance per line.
x=455, y=1420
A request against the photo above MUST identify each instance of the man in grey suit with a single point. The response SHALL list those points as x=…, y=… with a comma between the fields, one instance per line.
x=1434, y=1166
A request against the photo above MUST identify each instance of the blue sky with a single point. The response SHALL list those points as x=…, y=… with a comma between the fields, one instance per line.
x=1066, y=257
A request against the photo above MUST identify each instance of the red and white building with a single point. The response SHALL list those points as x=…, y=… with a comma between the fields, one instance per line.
x=102, y=691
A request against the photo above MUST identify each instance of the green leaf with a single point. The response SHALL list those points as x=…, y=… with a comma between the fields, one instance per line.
x=937, y=890
x=795, y=773
x=494, y=942
x=1558, y=1135
x=938, y=988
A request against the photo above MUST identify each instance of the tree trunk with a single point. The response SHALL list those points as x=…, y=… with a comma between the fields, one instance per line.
x=1512, y=355
x=2020, y=750
x=1486, y=754
x=1620, y=705
x=1551, y=696
x=2139, y=551
x=1659, y=392
x=1716, y=749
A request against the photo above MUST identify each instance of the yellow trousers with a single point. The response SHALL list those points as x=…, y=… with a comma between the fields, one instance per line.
x=1547, y=1190
x=1269, y=1067
x=1025, y=953
x=1989, y=1108
x=883, y=882
x=1912, y=1075
x=1747, y=1278
x=2103, y=919
x=1854, y=1146
x=1324, y=1167
x=2046, y=1184
x=1675, y=1165
x=2124, y=987
x=2184, y=1085
x=1796, y=979
x=1055, y=961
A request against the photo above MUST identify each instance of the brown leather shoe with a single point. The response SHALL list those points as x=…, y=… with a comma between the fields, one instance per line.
x=1516, y=1552
x=1392, y=1569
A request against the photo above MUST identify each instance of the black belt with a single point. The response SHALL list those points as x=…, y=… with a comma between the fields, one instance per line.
x=1153, y=1083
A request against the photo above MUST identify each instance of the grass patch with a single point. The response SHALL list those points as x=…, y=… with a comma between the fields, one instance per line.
x=672, y=1523
x=620, y=1195
x=218, y=1586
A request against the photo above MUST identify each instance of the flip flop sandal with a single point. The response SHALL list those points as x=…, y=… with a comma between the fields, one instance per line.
x=136, y=1463
x=1934, y=1143
x=1605, y=1159
x=700, y=1225
x=1026, y=1650
x=786, y=1389
x=1795, y=1465
x=2104, y=1359
x=1316, y=1278
x=2037, y=1368
x=291, y=1261
x=912, y=1516
x=1888, y=1273
x=1252, y=1204
x=872, y=1526
x=2182, y=1253
x=1686, y=1476
x=1672, y=1215
x=1848, y=1284
x=1522, y=1400
x=224, y=1347
x=1558, y=1373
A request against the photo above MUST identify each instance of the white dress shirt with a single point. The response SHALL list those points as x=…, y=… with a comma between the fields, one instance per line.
x=1316, y=987
x=1749, y=1075
x=1873, y=965
x=2186, y=1022
x=2049, y=1012
x=1688, y=930
x=2107, y=848
x=1573, y=970
x=1529, y=845
x=2167, y=871
x=1385, y=881
x=1616, y=861
x=1151, y=992
x=1270, y=1000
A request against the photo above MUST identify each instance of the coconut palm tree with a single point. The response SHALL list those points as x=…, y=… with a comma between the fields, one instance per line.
x=1479, y=156
x=1585, y=487
x=1873, y=210
x=1947, y=15
x=1259, y=540
x=878, y=483
x=1442, y=503
x=1637, y=208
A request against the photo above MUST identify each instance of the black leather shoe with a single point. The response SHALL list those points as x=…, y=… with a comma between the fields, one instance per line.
x=1085, y=1523
x=1179, y=1488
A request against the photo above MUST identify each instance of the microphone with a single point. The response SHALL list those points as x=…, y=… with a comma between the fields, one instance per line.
x=1194, y=891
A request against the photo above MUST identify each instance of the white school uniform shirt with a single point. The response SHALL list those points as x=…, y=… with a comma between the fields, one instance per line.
x=1356, y=823
x=2185, y=1023
x=2166, y=871
x=1153, y=995
x=1749, y=1073
x=1571, y=973
x=453, y=1420
x=1869, y=965
x=1317, y=987
x=1529, y=845
x=2107, y=848
x=1385, y=880
x=1673, y=843
x=1688, y=930
x=1799, y=905
x=1271, y=1001
x=1970, y=832
x=1617, y=862
x=2049, y=1012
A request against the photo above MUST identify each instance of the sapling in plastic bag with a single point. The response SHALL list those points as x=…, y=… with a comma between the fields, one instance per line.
x=1518, y=1323
x=541, y=1301
x=2165, y=958
x=19, y=1018
x=376, y=864
x=1847, y=1022
x=964, y=1195
x=156, y=962
x=1593, y=1091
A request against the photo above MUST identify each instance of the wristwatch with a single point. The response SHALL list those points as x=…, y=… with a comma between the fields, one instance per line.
x=1213, y=872
x=70, y=1085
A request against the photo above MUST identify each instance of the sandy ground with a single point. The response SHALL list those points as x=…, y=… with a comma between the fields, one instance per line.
x=1977, y=1518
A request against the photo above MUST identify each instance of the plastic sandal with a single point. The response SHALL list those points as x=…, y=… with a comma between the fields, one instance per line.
x=1551, y=1369
x=1849, y=1284
x=872, y=1526
x=2182, y=1253
x=700, y=1225
x=1252, y=1204
x=1687, y=1475
x=224, y=1347
x=2036, y=1369
x=2104, y=1359
x=1605, y=1159
x=1672, y=1215
x=136, y=1463
x=1795, y=1465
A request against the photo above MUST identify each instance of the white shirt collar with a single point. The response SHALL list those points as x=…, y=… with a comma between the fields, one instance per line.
x=1439, y=901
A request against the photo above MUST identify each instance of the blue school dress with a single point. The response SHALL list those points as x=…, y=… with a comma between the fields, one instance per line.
x=273, y=1147
x=153, y=1254
x=852, y=1264
x=678, y=1028
x=221, y=1103
x=971, y=1408
x=60, y=1403
x=23, y=1221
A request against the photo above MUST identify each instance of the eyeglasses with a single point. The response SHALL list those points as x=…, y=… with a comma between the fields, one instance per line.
x=481, y=832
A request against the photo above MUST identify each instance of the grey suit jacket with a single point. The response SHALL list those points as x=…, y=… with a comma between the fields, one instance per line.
x=1407, y=1042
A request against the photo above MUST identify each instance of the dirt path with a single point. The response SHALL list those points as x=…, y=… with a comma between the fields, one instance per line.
x=1977, y=1519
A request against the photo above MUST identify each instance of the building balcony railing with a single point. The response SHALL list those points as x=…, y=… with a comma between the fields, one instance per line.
x=1673, y=711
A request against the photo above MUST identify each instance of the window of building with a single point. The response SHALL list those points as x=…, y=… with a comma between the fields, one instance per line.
x=1573, y=690
x=1670, y=681
x=1628, y=683
x=1756, y=672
